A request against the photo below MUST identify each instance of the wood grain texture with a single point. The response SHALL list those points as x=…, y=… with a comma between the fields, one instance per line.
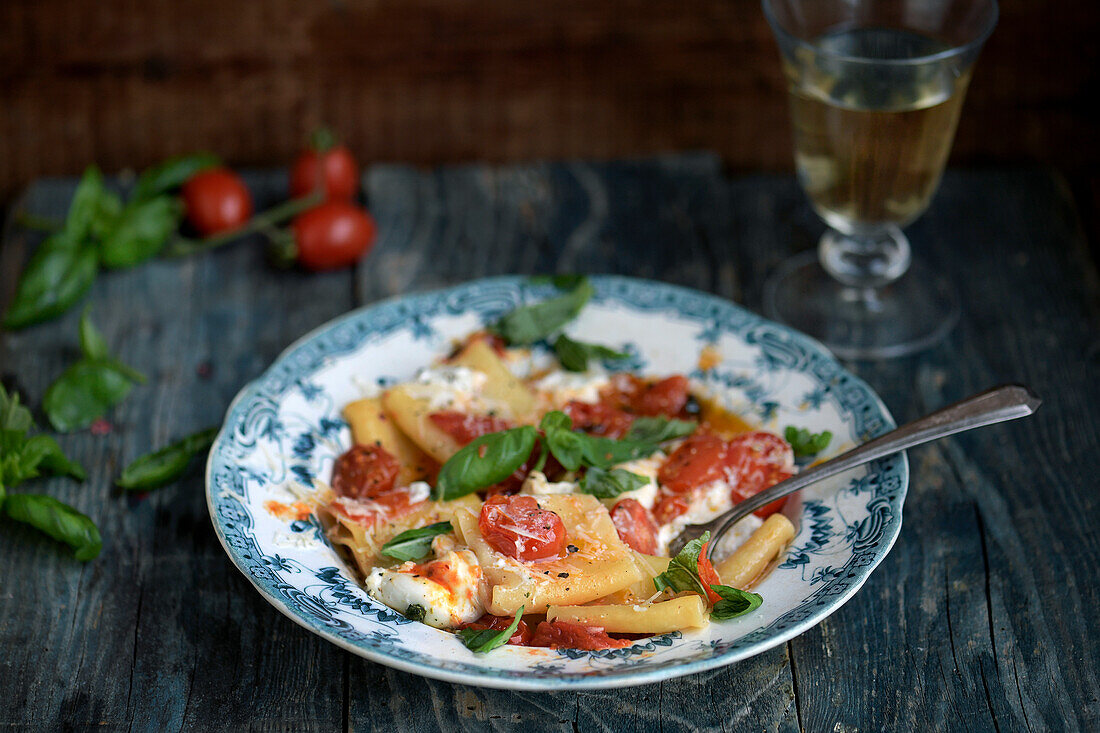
x=980, y=618
x=430, y=81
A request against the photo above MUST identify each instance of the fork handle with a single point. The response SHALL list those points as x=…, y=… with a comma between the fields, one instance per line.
x=1006, y=402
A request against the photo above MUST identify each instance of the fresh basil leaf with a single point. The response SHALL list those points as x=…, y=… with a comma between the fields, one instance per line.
x=487, y=640
x=604, y=484
x=13, y=416
x=485, y=461
x=574, y=355
x=416, y=612
x=23, y=457
x=806, y=444
x=659, y=429
x=683, y=570
x=91, y=205
x=58, y=520
x=574, y=449
x=84, y=392
x=92, y=343
x=167, y=464
x=171, y=174
x=531, y=323
x=44, y=454
x=561, y=282
x=140, y=231
x=734, y=602
x=414, y=544
x=555, y=420
x=59, y=274
x=604, y=452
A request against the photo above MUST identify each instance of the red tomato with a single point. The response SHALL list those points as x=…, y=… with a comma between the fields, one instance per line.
x=364, y=472
x=708, y=575
x=664, y=397
x=383, y=506
x=521, y=636
x=464, y=428
x=569, y=635
x=756, y=461
x=635, y=525
x=332, y=235
x=599, y=419
x=668, y=507
x=515, y=526
x=334, y=170
x=699, y=460
x=216, y=200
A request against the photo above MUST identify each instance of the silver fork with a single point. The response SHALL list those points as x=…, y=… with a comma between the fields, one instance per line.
x=1006, y=402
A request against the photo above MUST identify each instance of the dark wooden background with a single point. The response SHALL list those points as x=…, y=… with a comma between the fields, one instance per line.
x=126, y=83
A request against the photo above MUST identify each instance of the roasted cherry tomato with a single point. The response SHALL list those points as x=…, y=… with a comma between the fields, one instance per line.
x=364, y=472
x=216, y=200
x=699, y=460
x=635, y=525
x=569, y=635
x=668, y=507
x=332, y=235
x=517, y=527
x=756, y=461
x=708, y=575
x=383, y=506
x=464, y=428
x=598, y=418
x=327, y=166
x=521, y=636
x=667, y=396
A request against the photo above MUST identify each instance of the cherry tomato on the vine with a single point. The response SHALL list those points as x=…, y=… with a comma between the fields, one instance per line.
x=216, y=200
x=325, y=166
x=332, y=235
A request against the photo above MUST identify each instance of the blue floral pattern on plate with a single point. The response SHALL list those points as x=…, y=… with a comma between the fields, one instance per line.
x=284, y=430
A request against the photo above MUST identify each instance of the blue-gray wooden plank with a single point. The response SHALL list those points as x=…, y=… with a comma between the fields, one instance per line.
x=980, y=616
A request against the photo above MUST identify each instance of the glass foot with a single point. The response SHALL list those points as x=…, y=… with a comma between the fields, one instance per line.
x=908, y=315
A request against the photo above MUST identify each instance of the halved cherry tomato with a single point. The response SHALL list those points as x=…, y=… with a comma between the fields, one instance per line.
x=756, y=461
x=598, y=418
x=216, y=200
x=699, y=460
x=635, y=525
x=666, y=396
x=464, y=428
x=669, y=506
x=517, y=527
x=569, y=635
x=327, y=166
x=364, y=472
x=332, y=235
x=521, y=636
x=708, y=575
x=383, y=506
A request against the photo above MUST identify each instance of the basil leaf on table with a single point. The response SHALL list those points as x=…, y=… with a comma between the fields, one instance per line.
x=58, y=520
x=574, y=355
x=92, y=207
x=485, y=461
x=84, y=392
x=734, y=602
x=659, y=429
x=683, y=570
x=531, y=323
x=92, y=343
x=43, y=452
x=57, y=276
x=140, y=231
x=607, y=484
x=23, y=457
x=487, y=640
x=167, y=464
x=413, y=544
x=13, y=416
x=171, y=174
x=806, y=444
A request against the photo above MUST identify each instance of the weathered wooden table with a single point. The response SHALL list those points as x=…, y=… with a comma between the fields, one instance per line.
x=983, y=617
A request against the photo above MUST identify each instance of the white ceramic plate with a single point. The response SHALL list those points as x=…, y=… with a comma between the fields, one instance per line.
x=285, y=428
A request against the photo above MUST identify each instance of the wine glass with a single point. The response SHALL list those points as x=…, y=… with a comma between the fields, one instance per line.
x=876, y=88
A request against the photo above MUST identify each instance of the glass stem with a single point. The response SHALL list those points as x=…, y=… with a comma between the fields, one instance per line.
x=865, y=260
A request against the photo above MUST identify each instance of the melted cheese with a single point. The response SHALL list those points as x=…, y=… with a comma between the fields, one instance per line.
x=447, y=588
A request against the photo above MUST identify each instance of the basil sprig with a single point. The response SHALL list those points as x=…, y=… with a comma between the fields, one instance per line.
x=91, y=386
x=414, y=544
x=486, y=460
x=574, y=355
x=57, y=276
x=486, y=640
x=574, y=449
x=167, y=464
x=805, y=443
x=22, y=456
x=607, y=484
x=683, y=570
x=58, y=520
x=735, y=602
x=531, y=323
x=659, y=429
